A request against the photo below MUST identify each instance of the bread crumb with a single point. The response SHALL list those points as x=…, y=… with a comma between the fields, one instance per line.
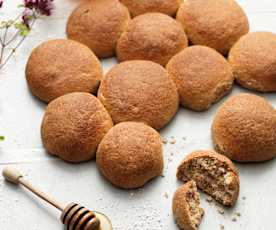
x=222, y=227
x=238, y=214
x=166, y=195
x=173, y=141
x=209, y=199
x=221, y=211
x=164, y=140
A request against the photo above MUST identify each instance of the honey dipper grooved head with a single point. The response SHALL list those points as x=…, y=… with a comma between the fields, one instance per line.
x=75, y=217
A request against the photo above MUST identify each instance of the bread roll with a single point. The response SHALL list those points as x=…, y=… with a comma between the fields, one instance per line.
x=214, y=23
x=153, y=36
x=254, y=62
x=73, y=126
x=61, y=66
x=244, y=129
x=202, y=76
x=139, y=91
x=98, y=24
x=130, y=155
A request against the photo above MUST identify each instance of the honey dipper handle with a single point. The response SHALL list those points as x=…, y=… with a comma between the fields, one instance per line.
x=14, y=176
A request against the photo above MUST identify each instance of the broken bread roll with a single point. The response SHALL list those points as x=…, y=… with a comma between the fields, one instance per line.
x=213, y=173
x=186, y=206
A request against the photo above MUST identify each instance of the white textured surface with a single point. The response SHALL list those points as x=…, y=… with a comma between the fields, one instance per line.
x=147, y=208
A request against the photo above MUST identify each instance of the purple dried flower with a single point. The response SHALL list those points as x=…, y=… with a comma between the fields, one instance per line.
x=43, y=7
x=27, y=17
x=1, y=3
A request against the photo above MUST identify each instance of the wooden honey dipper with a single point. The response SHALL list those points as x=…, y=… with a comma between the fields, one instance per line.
x=74, y=216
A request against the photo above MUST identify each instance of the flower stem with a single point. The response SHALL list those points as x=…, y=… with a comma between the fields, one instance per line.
x=4, y=62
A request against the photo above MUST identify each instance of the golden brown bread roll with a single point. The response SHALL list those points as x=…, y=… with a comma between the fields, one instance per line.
x=201, y=75
x=168, y=7
x=98, y=24
x=213, y=173
x=244, y=129
x=253, y=61
x=130, y=155
x=61, y=66
x=186, y=206
x=152, y=36
x=139, y=91
x=73, y=126
x=214, y=23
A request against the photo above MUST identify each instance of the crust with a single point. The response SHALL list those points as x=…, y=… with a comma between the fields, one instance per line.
x=99, y=25
x=130, y=155
x=214, y=23
x=253, y=63
x=74, y=69
x=201, y=75
x=244, y=129
x=139, y=91
x=152, y=36
x=73, y=125
x=168, y=7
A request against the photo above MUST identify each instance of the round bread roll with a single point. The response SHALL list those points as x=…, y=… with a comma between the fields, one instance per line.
x=139, y=91
x=168, y=7
x=253, y=61
x=214, y=23
x=186, y=206
x=244, y=129
x=73, y=126
x=201, y=75
x=130, y=155
x=98, y=24
x=213, y=173
x=61, y=66
x=152, y=36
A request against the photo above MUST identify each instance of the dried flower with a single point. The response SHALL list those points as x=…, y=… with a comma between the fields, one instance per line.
x=27, y=16
x=11, y=39
x=43, y=7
